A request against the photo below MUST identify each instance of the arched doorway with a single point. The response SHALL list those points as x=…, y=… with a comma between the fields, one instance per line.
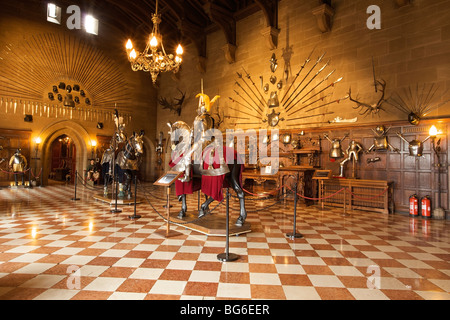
x=63, y=155
x=79, y=139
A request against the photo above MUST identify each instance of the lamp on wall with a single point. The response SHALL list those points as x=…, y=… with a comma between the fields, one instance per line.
x=93, y=150
x=154, y=58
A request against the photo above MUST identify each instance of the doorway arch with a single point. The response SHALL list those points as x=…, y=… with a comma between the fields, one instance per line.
x=79, y=136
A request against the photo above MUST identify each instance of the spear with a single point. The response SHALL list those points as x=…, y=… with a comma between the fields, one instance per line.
x=327, y=87
x=314, y=115
x=317, y=73
x=250, y=78
x=248, y=95
x=247, y=102
x=310, y=104
x=318, y=84
x=248, y=86
x=242, y=111
x=312, y=68
x=298, y=73
x=325, y=104
x=307, y=123
x=241, y=104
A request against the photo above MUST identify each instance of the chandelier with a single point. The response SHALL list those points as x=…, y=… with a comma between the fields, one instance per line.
x=154, y=58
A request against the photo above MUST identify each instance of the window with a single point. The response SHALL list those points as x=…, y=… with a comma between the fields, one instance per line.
x=53, y=13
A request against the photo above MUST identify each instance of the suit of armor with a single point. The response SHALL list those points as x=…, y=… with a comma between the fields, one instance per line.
x=18, y=163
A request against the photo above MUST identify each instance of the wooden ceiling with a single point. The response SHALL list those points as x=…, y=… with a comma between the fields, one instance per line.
x=183, y=20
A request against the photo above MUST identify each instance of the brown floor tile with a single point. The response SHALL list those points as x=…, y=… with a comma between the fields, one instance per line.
x=334, y=293
x=206, y=289
x=259, y=291
x=295, y=280
x=91, y=295
x=136, y=285
x=235, y=277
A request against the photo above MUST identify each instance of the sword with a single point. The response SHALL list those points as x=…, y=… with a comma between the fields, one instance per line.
x=374, y=77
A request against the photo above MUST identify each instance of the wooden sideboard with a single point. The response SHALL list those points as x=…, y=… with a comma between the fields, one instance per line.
x=371, y=195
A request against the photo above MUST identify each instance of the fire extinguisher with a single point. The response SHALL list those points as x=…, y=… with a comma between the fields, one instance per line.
x=426, y=207
x=413, y=206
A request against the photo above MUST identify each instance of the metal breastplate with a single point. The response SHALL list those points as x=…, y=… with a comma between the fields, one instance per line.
x=336, y=151
x=380, y=143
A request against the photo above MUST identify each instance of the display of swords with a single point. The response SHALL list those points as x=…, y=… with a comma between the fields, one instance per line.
x=309, y=91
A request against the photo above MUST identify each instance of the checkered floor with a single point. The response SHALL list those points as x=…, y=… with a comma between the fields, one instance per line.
x=52, y=247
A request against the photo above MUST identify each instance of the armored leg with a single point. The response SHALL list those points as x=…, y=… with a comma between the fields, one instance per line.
x=234, y=183
x=204, y=208
x=183, y=210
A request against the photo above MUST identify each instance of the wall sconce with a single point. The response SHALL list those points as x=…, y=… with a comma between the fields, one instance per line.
x=93, y=145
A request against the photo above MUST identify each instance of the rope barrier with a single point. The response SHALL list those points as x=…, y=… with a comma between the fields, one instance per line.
x=182, y=223
x=40, y=172
x=16, y=172
x=332, y=195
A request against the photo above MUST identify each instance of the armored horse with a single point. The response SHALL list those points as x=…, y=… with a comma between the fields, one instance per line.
x=126, y=163
x=217, y=166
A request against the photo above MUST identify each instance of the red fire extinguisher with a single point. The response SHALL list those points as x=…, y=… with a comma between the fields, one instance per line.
x=426, y=207
x=413, y=206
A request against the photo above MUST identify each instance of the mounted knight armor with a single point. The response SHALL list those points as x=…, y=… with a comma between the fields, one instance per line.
x=210, y=164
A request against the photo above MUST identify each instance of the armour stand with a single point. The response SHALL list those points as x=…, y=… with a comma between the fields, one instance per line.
x=115, y=210
x=135, y=199
x=294, y=234
x=226, y=256
x=75, y=195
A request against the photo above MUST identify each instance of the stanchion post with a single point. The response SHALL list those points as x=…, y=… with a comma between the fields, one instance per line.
x=41, y=178
x=294, y=234
x=135, y=216
x=29, y=179
x=226, y=256
x=75, y=195
x=115, y=210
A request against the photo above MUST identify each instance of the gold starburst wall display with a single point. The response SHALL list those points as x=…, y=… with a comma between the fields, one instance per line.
x=293, y=103
x=417, y=102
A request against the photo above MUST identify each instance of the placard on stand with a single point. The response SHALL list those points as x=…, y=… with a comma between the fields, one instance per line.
x=167, y=180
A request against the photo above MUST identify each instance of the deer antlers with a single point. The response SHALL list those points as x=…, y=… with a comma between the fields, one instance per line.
x=370, y=108
x=173, y=106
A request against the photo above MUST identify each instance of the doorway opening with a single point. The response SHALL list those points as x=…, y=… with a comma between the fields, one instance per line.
x=63, y=160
